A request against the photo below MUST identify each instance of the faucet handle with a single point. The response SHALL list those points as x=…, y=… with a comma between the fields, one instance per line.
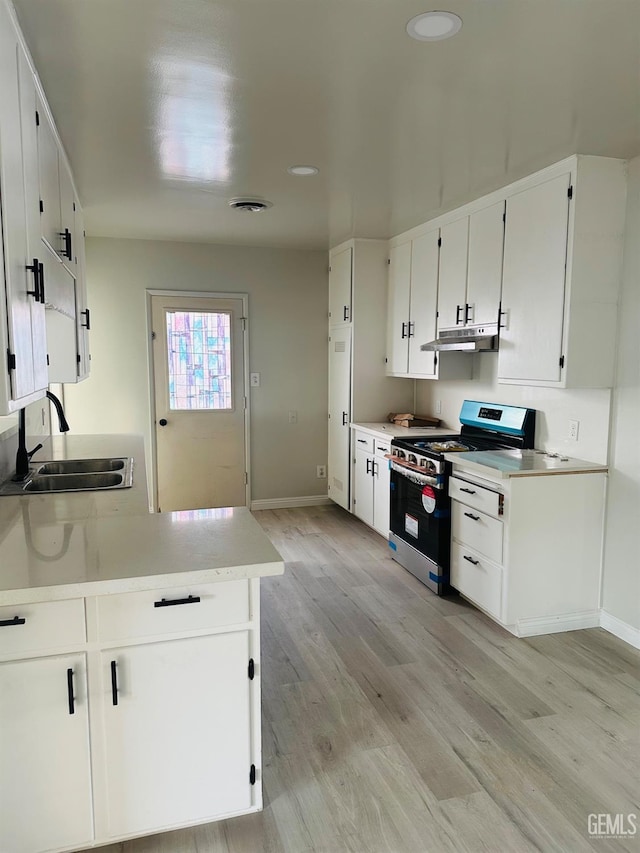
x=35, y=450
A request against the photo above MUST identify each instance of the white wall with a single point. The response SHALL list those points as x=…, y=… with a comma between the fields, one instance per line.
x=555, y=407
x=288, y=303
x=621, y=587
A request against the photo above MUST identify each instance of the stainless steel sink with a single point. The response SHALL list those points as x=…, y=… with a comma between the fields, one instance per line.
x=81, y=466
x=74, y=475
x=74, y=482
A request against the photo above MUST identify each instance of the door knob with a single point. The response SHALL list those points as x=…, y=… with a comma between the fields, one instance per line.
x=162, y=421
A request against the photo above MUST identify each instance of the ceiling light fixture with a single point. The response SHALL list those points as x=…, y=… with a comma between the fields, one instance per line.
x=303, y=170
x=434, y=26
x=250, y=205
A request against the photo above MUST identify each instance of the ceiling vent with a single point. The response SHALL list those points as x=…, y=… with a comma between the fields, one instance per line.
x=250, y=205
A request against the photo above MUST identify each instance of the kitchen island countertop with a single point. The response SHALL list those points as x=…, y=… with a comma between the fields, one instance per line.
x=65, y=545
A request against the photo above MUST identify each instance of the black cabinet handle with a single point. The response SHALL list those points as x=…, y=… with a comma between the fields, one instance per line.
x=458, y=312
x=361, y=440
x=368, y=466
x=17, y=620
x=114, y=682
x=66, y=251
x=411, y=328
x=35, y=269
x=374, y=469
x=470, y=560
x=86, y=325
x=404, y=330
x=72, y=706
x=472, y=516
x=345, y=418
x=345, y=312
x=172, y=602
x=468, y=491
x=41, y=277
x=467, y=309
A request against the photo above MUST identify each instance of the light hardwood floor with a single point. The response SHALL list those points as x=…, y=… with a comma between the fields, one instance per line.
x=398, y=721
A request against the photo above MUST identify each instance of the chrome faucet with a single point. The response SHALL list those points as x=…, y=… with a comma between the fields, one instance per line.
x=23, y=456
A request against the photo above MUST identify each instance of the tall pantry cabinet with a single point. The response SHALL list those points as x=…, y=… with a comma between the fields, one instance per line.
x=359, y=390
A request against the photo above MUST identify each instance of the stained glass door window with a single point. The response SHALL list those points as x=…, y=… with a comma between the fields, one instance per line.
x=199, y=349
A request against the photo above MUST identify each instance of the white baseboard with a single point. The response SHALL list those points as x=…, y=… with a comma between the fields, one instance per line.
x=621, y=629
x=288, y=503
x=556, y=624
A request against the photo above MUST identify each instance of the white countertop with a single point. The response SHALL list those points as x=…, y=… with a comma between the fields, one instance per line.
x=390, y=430
x=522, y=463
x=65, y=545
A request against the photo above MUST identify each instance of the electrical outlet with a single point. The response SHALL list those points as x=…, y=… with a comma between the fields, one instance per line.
x=438, y=407
x=321, y=472
x=255, y=380
x=293, y=417
x=574, y=426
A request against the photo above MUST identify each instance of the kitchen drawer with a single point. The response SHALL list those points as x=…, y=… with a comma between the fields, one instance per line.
x=47, y=625
x=477, y=578
x=167, y=611
x=476, y=496
x=362, y=441
x=382, y=446
x=477, y=530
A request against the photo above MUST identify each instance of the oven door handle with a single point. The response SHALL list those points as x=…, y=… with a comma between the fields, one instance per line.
x=415, y=476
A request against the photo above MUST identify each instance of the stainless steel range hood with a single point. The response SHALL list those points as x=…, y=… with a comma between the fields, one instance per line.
x=466, y=339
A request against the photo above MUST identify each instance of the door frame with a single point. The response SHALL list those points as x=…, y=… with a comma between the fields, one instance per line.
x=198, y=294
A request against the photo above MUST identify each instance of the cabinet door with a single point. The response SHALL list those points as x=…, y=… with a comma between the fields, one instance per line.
x=45, y=777
x=452, y=285
x=363, y=486
x=178, y=741
x=49, y=181
x=339, y=415
x=533, y=283
x=484, y=276
x=83, y=313
x=398, y=296
x=21, y=306
x=340, y=288
x=381, y=487
x=424, y=297
x=67, y=218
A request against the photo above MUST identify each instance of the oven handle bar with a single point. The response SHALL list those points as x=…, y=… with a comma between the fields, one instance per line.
x=416, y=477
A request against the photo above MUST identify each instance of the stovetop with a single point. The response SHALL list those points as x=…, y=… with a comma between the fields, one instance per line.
x=456, y=442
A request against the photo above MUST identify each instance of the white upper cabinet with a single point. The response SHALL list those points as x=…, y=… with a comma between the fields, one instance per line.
x=22, y=338
x=412, y=306
x=533, y=283
x=340, y=274
x=49, y=180
x=484, y=269
x=453, y=273
x=562, y=271
x=471, y=269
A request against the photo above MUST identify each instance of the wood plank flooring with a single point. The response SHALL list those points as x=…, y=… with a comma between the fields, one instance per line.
x=399, y=722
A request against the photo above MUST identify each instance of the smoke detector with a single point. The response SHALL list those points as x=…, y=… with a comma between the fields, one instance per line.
x=250, y=205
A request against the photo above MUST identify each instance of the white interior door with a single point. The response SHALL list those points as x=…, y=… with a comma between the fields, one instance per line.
x=200, y=401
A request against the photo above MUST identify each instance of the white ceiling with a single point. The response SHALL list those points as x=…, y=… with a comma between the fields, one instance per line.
x=169, y=108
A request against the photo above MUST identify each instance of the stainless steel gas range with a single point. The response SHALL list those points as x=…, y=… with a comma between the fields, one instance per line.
x=420, y=523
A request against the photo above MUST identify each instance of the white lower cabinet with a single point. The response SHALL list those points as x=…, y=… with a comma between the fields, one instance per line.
x=177, y=732
x=526, y=550
x=371, y=481
x=45, y=768
x=128, y=732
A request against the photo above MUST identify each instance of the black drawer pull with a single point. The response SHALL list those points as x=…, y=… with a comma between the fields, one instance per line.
x=361, y=440
x=114, y=682
x=472, y=516
x=172, y=602
x=72, y=707
x=470, y=560
x=468, y=491
x=17, y=620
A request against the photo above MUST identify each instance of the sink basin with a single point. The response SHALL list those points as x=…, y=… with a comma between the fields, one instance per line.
x=74, y=482
x=75, y=475
x=81, y=466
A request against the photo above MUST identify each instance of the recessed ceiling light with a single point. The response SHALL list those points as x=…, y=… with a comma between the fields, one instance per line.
x=250, y=205
x=433, y=26
x=303, y=170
